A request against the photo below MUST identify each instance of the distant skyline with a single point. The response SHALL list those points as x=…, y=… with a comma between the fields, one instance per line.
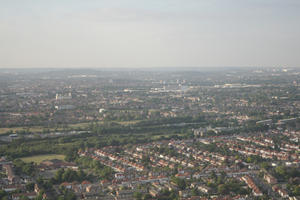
x=155, y=33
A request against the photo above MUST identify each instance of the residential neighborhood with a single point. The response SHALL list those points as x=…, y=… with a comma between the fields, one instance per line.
x=120, y=135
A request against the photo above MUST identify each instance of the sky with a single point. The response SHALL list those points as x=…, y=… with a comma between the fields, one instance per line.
x=149, y=33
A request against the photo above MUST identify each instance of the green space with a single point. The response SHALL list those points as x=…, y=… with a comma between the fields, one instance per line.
x=40, y=129
x=39, y=158
x=33, y=129
x=128, y=122
x=16, y=129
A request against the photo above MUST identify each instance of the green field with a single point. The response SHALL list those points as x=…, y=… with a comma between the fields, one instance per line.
x=36, y=129
x=39, y=158
x=128, y=122
x=30, y=129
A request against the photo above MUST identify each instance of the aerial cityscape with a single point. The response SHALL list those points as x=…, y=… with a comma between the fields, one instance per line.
x=229, y=133
x=149, y=100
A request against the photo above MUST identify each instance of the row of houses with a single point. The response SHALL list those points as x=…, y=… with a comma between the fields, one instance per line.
x=249, y=181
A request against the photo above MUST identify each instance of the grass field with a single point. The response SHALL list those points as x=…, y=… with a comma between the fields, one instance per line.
x=72, y=126
x=128, y=122
x=40, y=128
x=38, y=159
x=31, y=129
x=79, y=125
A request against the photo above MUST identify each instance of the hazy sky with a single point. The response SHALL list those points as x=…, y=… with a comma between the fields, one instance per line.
x=149, y=33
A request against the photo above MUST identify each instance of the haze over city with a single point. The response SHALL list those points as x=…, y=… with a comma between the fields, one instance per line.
x=149, y=100
x=139, y=33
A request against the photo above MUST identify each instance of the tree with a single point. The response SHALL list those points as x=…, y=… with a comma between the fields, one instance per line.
x=213, y=176
x=24, y=168
x=222, y=189
x=106, y=173
x=147, y=196
x=67, y=195
x=24, y=197
x=145, y=160
x=195, y=192
x=137, y=195
x=280, y=171
x=68, y=176
x=179, y=182
x=29, y=186
x=3, y=194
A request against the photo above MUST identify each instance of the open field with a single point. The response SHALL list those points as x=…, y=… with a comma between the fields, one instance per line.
x=40, y=128
x=72, y=126
x=31, y=129
x=38, y=159
x=128, y=122
x=15, y=129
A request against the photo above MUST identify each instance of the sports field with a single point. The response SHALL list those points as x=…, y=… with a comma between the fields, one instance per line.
x=39, y=158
